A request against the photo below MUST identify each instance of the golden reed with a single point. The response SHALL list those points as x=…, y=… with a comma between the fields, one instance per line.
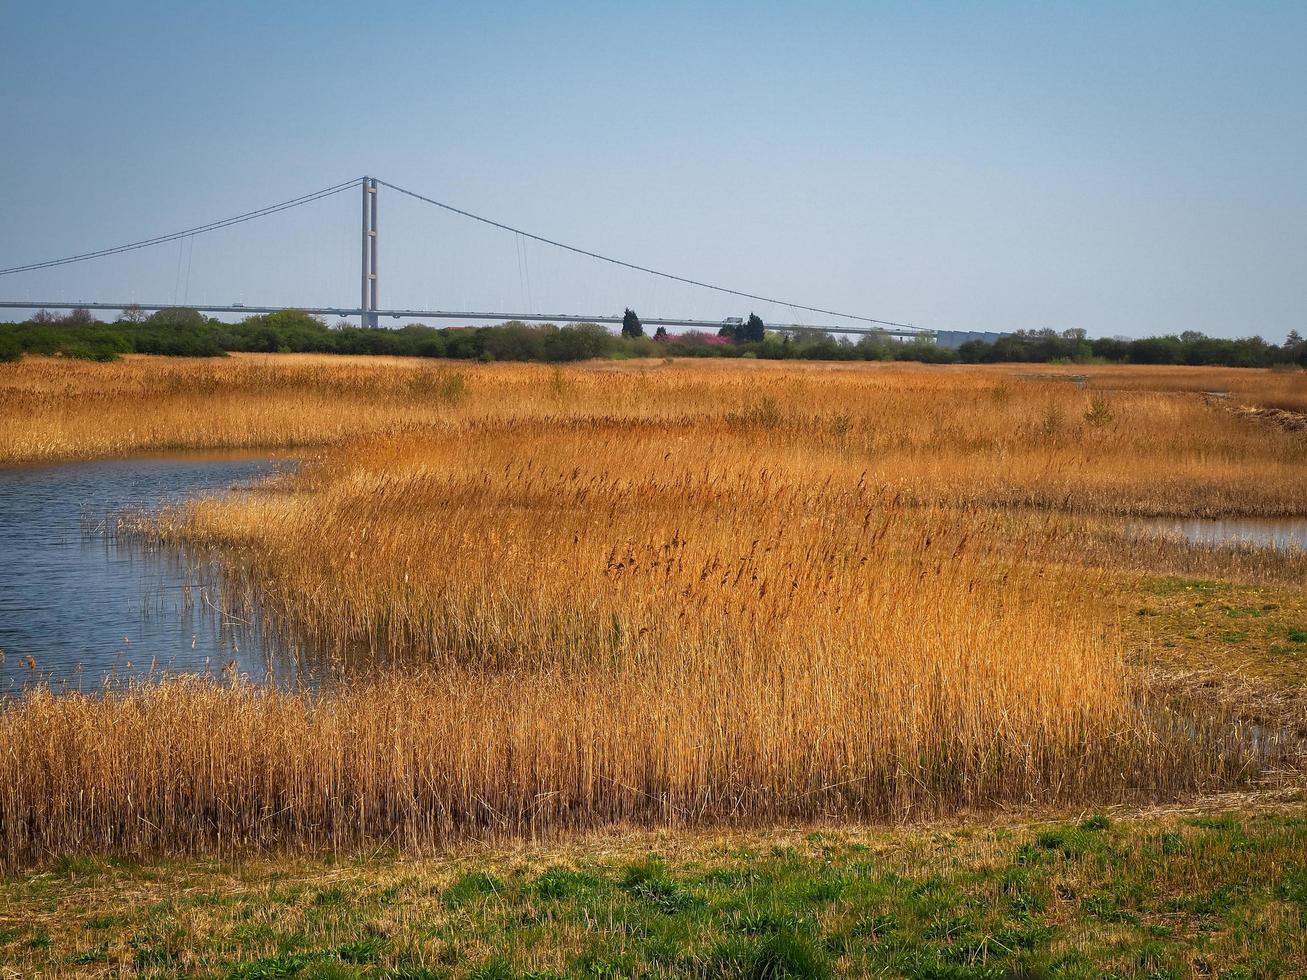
x=653, y=594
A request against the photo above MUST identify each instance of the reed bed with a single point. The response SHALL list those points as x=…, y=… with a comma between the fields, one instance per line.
x=652, y=594
x=995, y=435
x=424, y=762
x=585, y=624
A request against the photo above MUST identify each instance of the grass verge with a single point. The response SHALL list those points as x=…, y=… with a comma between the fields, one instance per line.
x=1180, y=894
x=1259, y=631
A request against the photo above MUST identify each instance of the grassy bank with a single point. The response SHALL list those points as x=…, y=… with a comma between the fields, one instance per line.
x=1209, y=892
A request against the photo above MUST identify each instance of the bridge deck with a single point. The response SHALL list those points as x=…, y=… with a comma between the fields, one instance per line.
x=342, y=311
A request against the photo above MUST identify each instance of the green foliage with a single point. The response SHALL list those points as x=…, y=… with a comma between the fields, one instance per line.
x=631, y=325
x=1223, y=822
x=648, y=880
x=407, y=971
x=178, y=317
x=329, y=897
x=96, y=954
x=497, y=968
x=368, y=949
x=78, y=865
x=182, y=332
x=787, y=955
x=753, y=330
x=1068, y=842
x=1190, y=347
x=11, y=348
x=150, y=953
x=275, y=967
x=557, y=883
x=1099, y=412
x=650, y=871
x=516, y=341
x=924, y=351
x=579, y=342
x=186, y=333
x=104, y=921
x=470, y=887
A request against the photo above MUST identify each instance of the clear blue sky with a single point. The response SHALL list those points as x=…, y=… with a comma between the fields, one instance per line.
x=1128, y=168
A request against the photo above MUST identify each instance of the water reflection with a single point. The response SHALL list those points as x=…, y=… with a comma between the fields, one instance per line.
x=77, y=606
x=1282, y=534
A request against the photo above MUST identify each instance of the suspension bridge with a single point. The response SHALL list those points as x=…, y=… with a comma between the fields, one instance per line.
x=370, y=312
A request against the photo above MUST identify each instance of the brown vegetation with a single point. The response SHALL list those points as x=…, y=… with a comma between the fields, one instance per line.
x=1126, y=440
x=646, y=594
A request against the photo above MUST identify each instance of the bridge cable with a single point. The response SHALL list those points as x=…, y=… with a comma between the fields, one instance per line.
x=345, y=185
x=199, y=229
x=640, y=268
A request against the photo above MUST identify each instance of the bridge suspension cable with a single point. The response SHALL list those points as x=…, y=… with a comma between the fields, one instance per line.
x=641, y=268
x=345, y=185
x=197, y=230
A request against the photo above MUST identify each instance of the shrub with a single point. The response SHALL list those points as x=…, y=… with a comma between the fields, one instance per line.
x=1099, y=412
x=11, y=349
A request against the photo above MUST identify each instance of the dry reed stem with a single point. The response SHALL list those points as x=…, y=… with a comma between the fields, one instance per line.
x=712, y=594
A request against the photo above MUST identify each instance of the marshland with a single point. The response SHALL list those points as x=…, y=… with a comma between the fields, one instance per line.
x=541, y=606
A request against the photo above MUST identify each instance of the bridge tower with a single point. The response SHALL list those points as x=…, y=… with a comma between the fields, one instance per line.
x=368, y=279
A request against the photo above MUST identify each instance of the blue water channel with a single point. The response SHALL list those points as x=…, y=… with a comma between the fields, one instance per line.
x=77, y=605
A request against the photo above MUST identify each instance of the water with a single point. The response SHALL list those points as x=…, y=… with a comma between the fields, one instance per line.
x=1282, y=534
x=82, y=606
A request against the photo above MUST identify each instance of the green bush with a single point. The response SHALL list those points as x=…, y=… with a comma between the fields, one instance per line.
x=11, y=349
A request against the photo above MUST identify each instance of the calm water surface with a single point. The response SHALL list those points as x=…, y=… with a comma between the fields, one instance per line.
x=1283, y=534
x=82, y=606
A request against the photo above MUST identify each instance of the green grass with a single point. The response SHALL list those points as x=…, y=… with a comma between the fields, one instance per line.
x=1254, y=631
x=1210, y=894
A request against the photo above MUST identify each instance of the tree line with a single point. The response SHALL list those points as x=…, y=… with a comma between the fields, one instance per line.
x=1190, y=347
x=187, y=333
